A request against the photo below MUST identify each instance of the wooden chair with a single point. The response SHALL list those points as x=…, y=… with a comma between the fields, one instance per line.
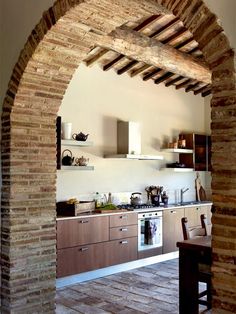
x=204, y=270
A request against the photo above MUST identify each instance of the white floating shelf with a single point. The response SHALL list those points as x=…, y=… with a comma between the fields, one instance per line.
x=178, y=169
x=177, y=150
x=76, y=143
x=133, y=156
x=75, y=168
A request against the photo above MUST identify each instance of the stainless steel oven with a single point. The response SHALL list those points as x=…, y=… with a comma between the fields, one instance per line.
x=149, y=230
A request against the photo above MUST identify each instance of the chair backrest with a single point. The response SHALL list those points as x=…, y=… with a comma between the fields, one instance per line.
x=194, y=232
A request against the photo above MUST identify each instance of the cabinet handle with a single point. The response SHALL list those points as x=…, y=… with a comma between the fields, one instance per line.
x=173, y=211
x=124, y=229
x=83, y=221
x=123, y=217
x=197, y=208
x=123, y=242
x=82, y=249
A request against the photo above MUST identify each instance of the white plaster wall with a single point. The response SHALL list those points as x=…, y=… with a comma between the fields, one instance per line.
x=17, y=21
x=95, y=100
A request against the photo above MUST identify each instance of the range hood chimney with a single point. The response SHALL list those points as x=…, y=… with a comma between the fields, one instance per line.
x=129, y=142
x=128, y=138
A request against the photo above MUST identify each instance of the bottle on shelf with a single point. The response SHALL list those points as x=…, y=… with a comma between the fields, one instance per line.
x=181, y=142
x=109, y=201
x=99, y=200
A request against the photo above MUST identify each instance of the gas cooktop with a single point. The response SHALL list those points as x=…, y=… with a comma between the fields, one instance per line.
x=136, y=207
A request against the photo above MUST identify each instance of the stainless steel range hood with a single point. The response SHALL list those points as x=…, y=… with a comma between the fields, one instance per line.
x=134, y=156
x=129, y=142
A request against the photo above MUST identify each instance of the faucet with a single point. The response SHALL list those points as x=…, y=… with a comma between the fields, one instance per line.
x=182, y=191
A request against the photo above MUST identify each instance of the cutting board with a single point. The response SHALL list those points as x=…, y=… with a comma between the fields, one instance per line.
x=202, y=194
x=104, y=211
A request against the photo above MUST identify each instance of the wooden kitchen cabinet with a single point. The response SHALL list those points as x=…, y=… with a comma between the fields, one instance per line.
x=193, y=215
x=172, y=229
x=124, y=230
x=82, y=258
x=79, y=231
x=88, y=243
x=200, y=159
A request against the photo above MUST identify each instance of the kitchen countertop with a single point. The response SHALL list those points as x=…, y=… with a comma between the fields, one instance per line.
x=144, y=210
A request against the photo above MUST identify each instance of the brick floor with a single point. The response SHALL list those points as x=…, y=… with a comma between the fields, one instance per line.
x=150, y=289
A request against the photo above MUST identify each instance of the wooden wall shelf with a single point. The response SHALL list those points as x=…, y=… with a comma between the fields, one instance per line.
x=177, y=150
x=76, y=143
x=76, y=168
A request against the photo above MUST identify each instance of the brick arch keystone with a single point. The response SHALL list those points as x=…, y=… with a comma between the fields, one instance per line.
x=53, y=51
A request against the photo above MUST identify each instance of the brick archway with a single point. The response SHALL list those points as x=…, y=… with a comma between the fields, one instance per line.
x=39, y=80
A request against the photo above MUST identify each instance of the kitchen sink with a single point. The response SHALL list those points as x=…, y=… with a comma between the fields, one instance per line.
x=190, y=203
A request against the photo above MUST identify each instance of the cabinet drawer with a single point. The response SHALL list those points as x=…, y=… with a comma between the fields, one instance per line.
x=82, y=258
x=123, y=250
x=80, y=231
x=123, y=219
x=123, y=232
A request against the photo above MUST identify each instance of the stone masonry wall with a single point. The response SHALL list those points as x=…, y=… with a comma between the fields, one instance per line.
x=45, y=67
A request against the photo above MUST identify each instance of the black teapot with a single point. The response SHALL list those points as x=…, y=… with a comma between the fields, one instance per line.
x=80, y=136
x=68, y=159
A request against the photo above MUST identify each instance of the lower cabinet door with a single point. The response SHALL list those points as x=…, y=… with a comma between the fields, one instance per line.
x=79, y=259
x=71, y=261
x=172, y=229
x=193, y=215
x=123, y=250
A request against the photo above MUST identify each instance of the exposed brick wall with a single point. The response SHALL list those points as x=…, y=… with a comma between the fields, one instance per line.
x=220, y=57
x=45, y=67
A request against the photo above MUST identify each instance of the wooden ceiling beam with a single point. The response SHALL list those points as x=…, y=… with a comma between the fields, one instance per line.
x=141, y=26
x=127, y=67
x=141, y=48
x=139, y=70
x=151, y=74
x=206, y=93
x=113, y=62
x=185, y=83
x=165, y=27
x=191, y=87
x=174, y=81
x=174, y=36
x=163, y=77
x=95, y=57
x=167, y=40
x=138, y=28
x=154, y=34
x=202, y=89
x=184, y=43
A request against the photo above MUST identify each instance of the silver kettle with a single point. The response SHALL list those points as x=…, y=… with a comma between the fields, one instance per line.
x=135, y=198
